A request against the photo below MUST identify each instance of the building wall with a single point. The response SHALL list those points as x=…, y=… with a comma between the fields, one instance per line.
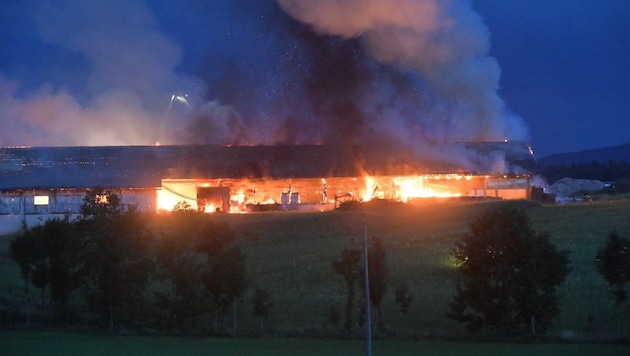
x=36, y=206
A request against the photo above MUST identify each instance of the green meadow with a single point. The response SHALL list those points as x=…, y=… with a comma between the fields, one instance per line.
x=291, y=256
x=69, y=344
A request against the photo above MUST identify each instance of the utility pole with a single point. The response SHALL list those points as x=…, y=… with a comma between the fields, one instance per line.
x=368, y=307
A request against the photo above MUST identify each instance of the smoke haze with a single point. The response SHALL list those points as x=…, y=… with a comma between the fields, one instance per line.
x=341, y=72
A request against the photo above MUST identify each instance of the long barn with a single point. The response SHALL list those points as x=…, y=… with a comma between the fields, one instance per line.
x=40, y=182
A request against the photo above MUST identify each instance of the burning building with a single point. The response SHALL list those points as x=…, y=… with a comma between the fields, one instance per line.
x=40, y=182
x=365, y=101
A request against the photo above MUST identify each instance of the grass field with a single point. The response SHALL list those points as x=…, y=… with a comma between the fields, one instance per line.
x=291, y=255
x=69, y=344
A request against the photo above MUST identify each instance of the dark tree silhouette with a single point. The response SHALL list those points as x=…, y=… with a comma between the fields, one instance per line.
x=262, y=306
x=613, y=263
x=27, y=253
x=47, y=256
x=115, y=268
x=333, y=315
x=607, y=171
x=61, y=244
x=181, y=296
x=349, y=267
x=200, y=269
x=226, y=280
x=509, y=272
x=403, y=298
x=40, y=272
x=180, y=268
x=377, y=274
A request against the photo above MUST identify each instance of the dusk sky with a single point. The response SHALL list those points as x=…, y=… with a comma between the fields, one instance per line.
x=555, y=73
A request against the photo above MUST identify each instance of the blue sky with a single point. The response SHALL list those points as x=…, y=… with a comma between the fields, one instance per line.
x=553, y=73
x=565, y=69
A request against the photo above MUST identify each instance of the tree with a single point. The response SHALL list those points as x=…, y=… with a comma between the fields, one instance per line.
x=613, y=263
x=377, y=274
x=261, y=306
x=46, y=255
x=226, y=280
x=349, y=267
x=115, y=261
x=509, y=274
x=60, y=242
x=180, y=296
x=100, y=203
x=27, y=253
x=200, y=270
x=39, y=275
x=403, y=298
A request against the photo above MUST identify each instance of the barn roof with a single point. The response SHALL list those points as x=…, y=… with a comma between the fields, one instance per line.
x=145, y=166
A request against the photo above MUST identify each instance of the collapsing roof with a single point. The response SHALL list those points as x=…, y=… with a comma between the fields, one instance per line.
x=145, y=166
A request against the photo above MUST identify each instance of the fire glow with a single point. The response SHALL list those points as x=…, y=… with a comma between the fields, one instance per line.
x=414, y=188
x=252, y=195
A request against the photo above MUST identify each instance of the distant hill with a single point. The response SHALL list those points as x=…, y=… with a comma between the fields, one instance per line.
x=606, y=164
x=600, y=155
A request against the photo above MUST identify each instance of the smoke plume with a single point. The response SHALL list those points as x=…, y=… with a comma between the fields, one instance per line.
x=369, y=73
x=110, y=85
x=446, y=42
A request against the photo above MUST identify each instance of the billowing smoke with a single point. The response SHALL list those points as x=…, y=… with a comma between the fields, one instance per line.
x=426, y=77
x=109, y=86
x=445, y=42
x=369, y=73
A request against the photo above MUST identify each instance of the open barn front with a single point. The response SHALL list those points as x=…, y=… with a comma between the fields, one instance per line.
x=308, y=194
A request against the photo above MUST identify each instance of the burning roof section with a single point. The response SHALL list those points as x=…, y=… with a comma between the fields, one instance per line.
x=144, y=166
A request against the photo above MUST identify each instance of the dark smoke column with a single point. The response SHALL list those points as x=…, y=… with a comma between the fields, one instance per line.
x=446, y=42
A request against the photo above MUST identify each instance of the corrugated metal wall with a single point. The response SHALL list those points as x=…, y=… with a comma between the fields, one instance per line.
x=68, y=201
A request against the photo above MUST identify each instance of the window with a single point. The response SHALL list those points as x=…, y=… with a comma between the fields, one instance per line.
x=41, y=200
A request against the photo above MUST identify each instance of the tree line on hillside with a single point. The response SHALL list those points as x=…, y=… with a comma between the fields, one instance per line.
x=610, y=171
x=129, y=275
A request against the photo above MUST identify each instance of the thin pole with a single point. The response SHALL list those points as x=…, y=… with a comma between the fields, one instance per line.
x=368, y=307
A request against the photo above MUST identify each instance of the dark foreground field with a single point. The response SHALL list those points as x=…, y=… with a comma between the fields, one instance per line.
x=68, y=344
x=291, y=255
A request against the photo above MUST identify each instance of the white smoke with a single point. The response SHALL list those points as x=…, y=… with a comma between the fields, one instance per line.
x=120, y=98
